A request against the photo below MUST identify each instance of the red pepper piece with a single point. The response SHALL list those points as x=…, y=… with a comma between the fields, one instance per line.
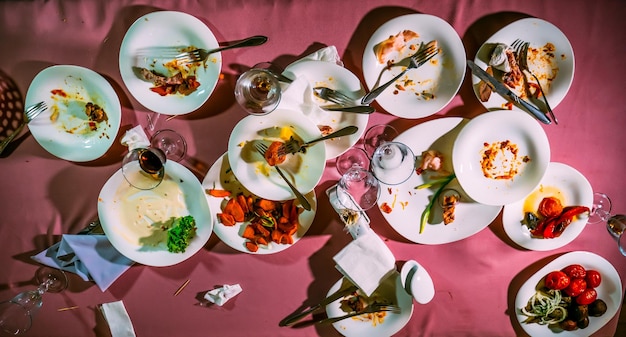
x=548, y=231
x=566, y=218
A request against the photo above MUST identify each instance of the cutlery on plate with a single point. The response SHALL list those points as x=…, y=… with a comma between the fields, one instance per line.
x=199, y=55
x=346, y=104
x=521, y=50
x=293, y=146
x=293, y=318
x=505, y=92
x=31, y=113
x=423, y=54
x=262, y=148
x=372, y=308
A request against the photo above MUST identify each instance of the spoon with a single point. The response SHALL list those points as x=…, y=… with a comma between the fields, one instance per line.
x=417, y=282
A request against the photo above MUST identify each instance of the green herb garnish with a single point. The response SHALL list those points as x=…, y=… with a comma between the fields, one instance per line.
x=426, y=214
x=180, y=234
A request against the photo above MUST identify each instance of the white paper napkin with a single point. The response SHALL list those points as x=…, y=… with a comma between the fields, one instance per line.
x=298, y=95
x=135, y=138
x=118, y=319
x=221, y=295
x=366, y=261
x=92, y=257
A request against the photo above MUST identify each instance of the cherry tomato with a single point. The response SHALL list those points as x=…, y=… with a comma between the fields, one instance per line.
x=576, y=287
x=557, y=280
x=593, y=278
x=587, y=297
x=575, y=271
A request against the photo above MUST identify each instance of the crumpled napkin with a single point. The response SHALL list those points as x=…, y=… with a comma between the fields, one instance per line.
x=298, y=95
x=354, y=218
x=135, y=138
x=221, y=295
x=366, y=261
x=92, y=257
x=118, y=319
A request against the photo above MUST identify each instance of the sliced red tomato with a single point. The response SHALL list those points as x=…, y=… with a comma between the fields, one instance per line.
x=575, y=271
x=576, y=287
x=593, y=278
x=557, y=280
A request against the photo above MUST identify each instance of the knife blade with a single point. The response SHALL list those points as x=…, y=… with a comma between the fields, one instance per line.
x=499, y=88
x=293, y=318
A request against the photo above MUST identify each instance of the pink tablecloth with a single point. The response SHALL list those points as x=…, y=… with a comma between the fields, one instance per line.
x=476, y=279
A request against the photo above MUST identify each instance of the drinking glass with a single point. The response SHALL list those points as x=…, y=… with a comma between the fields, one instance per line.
x=144, y=168
x=378, y=135
x=354, y=157
x=615, y=223
x=16, y=315
x=393, y=163
x=358, y=188
x=258, y=91
x=171, y=143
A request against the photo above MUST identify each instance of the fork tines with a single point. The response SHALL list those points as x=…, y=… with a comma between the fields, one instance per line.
x=34, y=110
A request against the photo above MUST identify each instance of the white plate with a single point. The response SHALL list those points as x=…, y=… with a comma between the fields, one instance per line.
x=574, y=189
x=81, y=85
x=537, y=32
x=442, y=76
x=117, y=214
x=391, y=290
x=327, y=74
x=496, y=126
x=610, y=291
x=250, y=168
x=470, y=217
x=168, y=29
x=220, y=176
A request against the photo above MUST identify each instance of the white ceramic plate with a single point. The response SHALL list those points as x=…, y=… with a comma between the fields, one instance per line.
x=327, y=74
x=168, y=29
x=470, y=217
x=179, y=194
x=220, y=176
x=391, y=290
x=441, y=76
x=574, y=190
x=303, y=170
x=498, y=126
x=537, y=32
x=610, y=291
x=68, y=136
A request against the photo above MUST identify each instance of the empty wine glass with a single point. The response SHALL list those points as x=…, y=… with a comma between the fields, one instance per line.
x=258, y=91
x=171, y=143
x=378, y=135
x=353, y=157
x=393, y=163
x=144, y=168
x=615, y=223
x=16, y=315
x=358, y=189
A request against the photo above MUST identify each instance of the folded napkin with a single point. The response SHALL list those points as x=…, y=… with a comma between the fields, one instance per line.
x=118, y=319
x=298, y=95
x=221, y=295
x=135, y=138
x=92, y=257
x=354, y=218
x=366, y=261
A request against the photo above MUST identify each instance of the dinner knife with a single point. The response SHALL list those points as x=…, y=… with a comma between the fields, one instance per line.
x=505, y=92
x=289, y=320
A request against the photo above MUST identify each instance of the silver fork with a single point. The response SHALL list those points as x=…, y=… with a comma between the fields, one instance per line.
x=521, y=51
x=344, y=103
x=293, y=146
x=261, y=149
x=29, y=114
x=423, y=54
x=199, y=55
x=368, y=310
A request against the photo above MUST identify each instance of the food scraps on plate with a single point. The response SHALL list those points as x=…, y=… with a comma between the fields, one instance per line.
x=551, y=218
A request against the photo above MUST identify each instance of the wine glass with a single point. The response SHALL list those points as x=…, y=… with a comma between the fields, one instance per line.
x=144, y=168
x=258, y=91
x=615, y=223
x=358, y=189
x=171, y=143
x=393, y=163
x=353, y=157
x=378, y=135
x=16, y=315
